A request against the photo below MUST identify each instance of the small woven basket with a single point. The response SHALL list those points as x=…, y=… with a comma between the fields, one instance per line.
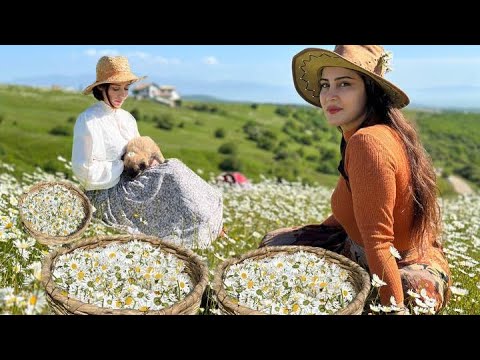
x=64, y=305
x=358, y=277
x=48, y=239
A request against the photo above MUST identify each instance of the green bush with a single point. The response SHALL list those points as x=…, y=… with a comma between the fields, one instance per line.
x=220, y=133
x=265, y=143
x=252, y=129
x=312, y=158
x=52, y=166
x=231, y=163
x=281, y=154
x=61, y=130
x=254, y=106
x=136, y=114
x=165, y=121
x=282, y=111
x=228, y=148
x=328, y=167
x=71, y=119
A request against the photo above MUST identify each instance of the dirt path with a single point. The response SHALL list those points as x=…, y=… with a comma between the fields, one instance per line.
x=459, y=185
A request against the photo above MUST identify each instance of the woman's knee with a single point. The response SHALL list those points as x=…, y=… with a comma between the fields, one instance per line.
x=431, y=289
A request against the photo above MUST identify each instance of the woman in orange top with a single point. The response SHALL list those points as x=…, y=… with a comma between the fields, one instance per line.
x=386, y=198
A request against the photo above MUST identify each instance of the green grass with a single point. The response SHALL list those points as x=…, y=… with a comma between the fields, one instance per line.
x=28, y=115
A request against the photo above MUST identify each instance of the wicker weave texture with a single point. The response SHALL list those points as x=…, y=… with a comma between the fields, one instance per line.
x=64, y=305
x=358, y=277
x=47, y=239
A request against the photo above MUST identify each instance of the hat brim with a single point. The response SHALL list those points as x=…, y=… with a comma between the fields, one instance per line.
x=114, y=79
x=306, y=66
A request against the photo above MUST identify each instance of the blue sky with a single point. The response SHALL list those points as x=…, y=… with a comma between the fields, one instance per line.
x=432, y=75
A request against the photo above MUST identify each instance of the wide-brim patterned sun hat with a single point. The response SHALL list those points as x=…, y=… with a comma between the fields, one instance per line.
x=371, y=60
x=113, y=69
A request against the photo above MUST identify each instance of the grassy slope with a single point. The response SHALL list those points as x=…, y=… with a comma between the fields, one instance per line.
x=27, y=115
x=453, y=141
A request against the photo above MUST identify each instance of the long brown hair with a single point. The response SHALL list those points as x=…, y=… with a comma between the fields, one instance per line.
x=426, y=211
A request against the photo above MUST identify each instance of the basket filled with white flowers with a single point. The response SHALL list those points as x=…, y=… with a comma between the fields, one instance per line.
x=124, y=275
x=55, y=212
x=294, y=280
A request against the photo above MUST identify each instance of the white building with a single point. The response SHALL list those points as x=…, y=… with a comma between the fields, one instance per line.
x=165, y=94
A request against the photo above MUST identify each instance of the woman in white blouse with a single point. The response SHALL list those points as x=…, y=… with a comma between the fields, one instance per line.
x=167, y=200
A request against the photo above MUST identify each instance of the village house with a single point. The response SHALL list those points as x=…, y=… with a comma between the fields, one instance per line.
x=165, y=94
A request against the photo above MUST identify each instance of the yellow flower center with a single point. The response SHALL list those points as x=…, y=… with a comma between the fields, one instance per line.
x=323, y=284
x=33, y=300
x=158, y=276
x=243, y=275
x=80, y=275
x=143, y=308
x=129, y=300
x=181, y=284
x=295, y=307
x=74, y=266
x=250, y=284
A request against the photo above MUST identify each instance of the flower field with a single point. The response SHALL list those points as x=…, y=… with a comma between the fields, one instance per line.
x=248, y=215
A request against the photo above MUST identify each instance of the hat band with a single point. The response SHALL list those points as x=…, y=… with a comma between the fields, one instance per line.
x=116, y=74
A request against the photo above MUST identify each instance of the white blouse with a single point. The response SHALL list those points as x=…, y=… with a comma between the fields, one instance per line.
x=99, y=139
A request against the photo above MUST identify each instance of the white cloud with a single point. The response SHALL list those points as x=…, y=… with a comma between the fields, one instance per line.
x=100, y=52
x=152, y=59
x=210, y=60
x=140, y=54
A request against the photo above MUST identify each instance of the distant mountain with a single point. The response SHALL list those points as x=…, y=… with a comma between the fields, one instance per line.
x=204, y=98
x=218, y=90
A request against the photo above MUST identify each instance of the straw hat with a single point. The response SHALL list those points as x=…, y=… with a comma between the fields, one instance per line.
x=371, y=60
x=112, y=69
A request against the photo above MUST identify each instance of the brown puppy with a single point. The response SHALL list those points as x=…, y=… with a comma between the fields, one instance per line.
x=141, y=153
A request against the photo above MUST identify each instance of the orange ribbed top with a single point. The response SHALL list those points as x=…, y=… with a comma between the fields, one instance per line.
x=377, y=213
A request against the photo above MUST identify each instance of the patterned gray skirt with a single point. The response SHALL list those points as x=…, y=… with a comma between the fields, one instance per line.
x=169, y=201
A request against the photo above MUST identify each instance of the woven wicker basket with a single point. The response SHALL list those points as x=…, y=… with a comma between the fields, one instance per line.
x=358, y=277
x=50, y=239
x=64, y=305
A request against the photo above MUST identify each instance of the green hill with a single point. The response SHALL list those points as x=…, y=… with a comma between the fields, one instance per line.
x=453, y=141
x=287, y=142
x=36, y=126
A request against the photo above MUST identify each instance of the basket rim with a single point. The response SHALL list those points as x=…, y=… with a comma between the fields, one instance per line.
x=50, y=239
x=74, y=305
x=353, y=267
